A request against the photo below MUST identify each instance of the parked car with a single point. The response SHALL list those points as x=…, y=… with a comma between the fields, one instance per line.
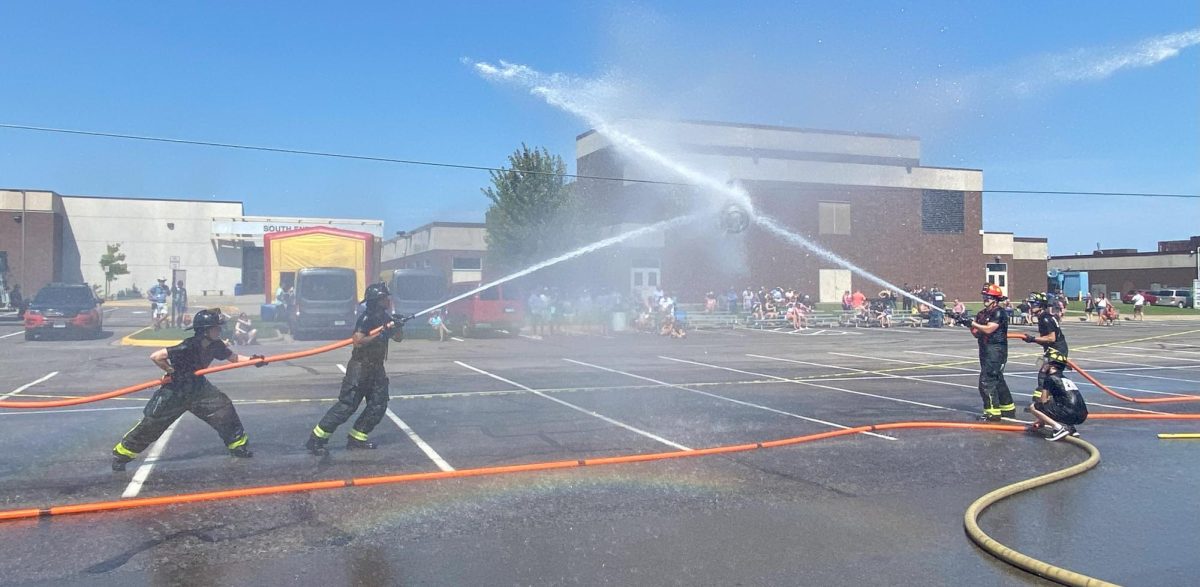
x=415, y=290
x=326, y=301
x=1178, y=297
x=1149, y=295
x=64, y=308
x=494, y=309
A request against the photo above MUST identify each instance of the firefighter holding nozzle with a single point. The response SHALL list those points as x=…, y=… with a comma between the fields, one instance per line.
x=990, y=328
x=1057, y=403
x=365, y=376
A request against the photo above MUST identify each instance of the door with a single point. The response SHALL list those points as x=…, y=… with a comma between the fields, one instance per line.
x=834, y=283
x=644, y=279
x=997, y=274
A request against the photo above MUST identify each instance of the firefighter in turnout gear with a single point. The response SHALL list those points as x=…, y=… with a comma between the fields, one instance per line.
x=184, y=391
x=1055, y=404
x=990, y=328
x=365, y=376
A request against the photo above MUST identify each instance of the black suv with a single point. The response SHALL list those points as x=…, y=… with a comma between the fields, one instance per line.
x=326, y=301
x=64, y=308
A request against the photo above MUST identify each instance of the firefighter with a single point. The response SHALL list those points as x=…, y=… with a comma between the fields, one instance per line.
x=990, y=327
x=365, y=376
x=1054, y=404
x=183, y=391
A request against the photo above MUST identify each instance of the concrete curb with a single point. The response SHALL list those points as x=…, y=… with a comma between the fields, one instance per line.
x=161, y=343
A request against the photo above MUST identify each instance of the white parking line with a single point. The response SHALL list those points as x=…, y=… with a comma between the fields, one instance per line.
x=143, y=472
x=13, y=334
x=810, y=384
x=28, y=385
x=457, y=339
x=575, y=407
x=421, y=444
x=721, y=397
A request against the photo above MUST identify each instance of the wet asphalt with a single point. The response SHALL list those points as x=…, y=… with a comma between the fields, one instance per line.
x=883, y=509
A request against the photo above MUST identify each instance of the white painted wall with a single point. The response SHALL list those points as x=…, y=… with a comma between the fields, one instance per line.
x=141, y=226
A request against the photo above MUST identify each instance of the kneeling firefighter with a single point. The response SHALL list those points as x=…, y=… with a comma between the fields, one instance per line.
x=184, y=391
x=365, y=376
x=990, y=327
x=1055, y=404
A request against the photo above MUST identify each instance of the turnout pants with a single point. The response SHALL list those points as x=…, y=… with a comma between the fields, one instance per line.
x=170, y=402
x=997, y=400
x=369, y=382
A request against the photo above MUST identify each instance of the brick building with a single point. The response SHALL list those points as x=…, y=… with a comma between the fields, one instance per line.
x=1176, y=264
x=865, y=197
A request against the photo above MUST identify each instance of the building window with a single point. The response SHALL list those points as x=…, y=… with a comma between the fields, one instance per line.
x=834, y=217
x=942, y=212
x=427, y=264
x=469, y=263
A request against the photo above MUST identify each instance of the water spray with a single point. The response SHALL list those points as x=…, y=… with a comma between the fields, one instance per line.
x=600, y=244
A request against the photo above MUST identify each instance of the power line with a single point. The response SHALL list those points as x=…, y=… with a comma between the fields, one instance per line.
x=487, y=168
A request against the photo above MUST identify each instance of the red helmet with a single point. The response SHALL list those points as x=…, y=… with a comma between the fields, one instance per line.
x=992, y=290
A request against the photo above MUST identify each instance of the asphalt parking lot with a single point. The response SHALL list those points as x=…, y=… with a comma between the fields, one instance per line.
x=880, y=509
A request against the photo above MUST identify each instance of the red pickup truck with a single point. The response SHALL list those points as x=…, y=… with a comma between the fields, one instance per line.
x=496, y=309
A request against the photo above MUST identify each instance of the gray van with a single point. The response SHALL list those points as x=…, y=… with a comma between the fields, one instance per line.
x=325, y=302
x=1179, y=297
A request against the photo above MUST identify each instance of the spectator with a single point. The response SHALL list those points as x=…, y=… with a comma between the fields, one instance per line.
x=907, y=300
x=858, y=299
x=438, y=323
x=731, y=299
x=1101, y=308
x=537, y=311
x=710, y=303
x=158, y=302
x=179, y=302
x=15, y=300
x=747, y=300
x=1139, y=303
x=847, y=301
x=244, y=332
x=959, y=307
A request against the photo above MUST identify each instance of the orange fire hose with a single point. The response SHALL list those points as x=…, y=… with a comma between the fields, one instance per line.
x=1121, y=396
x=103, y=506
x=148, y=384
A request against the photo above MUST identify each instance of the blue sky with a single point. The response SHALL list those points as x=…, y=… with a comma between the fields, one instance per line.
x=995, y=86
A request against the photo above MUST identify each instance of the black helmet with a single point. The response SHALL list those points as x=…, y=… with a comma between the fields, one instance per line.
x=207, y=318
x=376, y=291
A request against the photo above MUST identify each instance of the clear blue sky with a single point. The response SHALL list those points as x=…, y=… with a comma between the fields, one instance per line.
x=994, y=86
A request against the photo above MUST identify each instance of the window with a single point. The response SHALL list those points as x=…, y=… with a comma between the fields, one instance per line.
x=942, y=212
x=470, y=263
x=637, y=278
x=834, y=217
x=652, y=279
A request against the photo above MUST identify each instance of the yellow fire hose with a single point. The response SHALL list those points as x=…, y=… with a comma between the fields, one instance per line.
x=1014, y=558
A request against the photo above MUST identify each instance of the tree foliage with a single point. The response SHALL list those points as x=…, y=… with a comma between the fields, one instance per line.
x=113, y=264
x=533, y=216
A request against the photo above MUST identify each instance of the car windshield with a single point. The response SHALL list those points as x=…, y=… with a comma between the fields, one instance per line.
x=419, y=287
x=64, y=295
x=327, y=288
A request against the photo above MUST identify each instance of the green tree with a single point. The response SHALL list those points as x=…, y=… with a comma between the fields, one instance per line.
x=535, y=214
x=113, y=264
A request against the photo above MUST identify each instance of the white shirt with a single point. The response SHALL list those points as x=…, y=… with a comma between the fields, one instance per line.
x=1139, y=299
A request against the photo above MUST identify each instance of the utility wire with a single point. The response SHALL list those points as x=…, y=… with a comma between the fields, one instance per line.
x=487, y=168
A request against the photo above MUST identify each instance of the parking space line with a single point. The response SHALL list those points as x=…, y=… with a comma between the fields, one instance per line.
x=721, y=397
x=13, y=334
x=421, y=444
x=28, y=385
x=457, y=339
x=143, y=472
x=810, y=384
x=649, y=435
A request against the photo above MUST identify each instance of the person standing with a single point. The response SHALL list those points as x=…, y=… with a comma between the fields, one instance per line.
x=179, y=302
x=1139, y=305
x=17, y=301
x=184, y=391
x=158, y=295
x=1054, y=405
x=990, y=327
x=365, y=375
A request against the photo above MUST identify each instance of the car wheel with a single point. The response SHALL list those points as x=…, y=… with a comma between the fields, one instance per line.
x=1181, y=305
x=465, y=330
x=29, y=335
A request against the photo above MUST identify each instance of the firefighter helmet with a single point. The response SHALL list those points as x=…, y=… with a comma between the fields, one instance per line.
x=1039, y=299
x=991, y=290
x=206, y=319
x=376, y=291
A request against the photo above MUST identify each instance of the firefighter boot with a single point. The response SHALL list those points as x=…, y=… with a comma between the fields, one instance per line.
x=357, y=440
x=241, y=452
x=316, y=445
x=119, y=462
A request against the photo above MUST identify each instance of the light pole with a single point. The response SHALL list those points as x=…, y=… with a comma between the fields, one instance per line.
x=23, y=195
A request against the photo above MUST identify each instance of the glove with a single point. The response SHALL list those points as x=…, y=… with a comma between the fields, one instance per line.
x=1028, y=337
x=963, y=320
x=261, y=361
x=389, y=329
